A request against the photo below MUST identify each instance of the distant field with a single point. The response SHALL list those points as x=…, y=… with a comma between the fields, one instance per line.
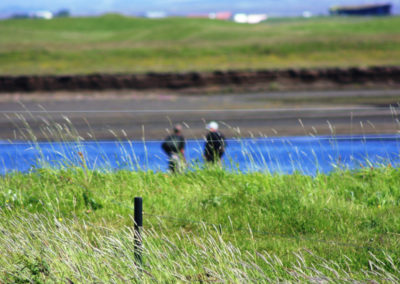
x=114, y=44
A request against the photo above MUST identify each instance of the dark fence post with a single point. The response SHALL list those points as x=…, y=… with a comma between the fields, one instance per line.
x=138, y=228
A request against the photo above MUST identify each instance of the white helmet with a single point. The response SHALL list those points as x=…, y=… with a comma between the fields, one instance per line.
x=212, y=126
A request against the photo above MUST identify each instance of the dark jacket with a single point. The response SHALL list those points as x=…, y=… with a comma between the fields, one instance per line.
x=215, y=146
x=173, y=144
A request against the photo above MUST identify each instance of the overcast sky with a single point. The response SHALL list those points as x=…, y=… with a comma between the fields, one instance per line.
x=279, y=7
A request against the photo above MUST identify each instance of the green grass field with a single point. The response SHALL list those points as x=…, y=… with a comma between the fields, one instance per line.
x=76, y=225
x=113, y=44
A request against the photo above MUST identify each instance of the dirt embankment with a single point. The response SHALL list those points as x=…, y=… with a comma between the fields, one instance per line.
x=219, y=80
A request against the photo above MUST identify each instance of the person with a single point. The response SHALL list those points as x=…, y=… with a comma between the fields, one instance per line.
x=215, y=143
x=174, y=147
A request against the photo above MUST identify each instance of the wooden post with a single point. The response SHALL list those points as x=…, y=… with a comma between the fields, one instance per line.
x=138, y=217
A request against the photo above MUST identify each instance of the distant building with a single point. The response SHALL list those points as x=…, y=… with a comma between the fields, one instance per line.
x=249, y=18
x=47, y=15
x=20, y=16
x=221, y=16
x=198, y=16
x=64, y=13
x=362, y=10
x=307, y=14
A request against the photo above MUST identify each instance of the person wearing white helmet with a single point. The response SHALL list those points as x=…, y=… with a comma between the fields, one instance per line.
x=215, y=143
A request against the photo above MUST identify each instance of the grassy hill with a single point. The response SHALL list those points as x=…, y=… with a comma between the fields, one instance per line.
x=114, y=43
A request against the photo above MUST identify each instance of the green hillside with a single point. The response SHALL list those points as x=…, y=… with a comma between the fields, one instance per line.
x=114, y=43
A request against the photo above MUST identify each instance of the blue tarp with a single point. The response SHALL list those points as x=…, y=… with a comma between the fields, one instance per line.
x=307, y=155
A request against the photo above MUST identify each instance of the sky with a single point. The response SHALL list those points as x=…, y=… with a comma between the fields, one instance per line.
x=271, y=7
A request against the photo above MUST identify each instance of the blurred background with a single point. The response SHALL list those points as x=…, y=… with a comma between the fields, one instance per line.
x=283, y=8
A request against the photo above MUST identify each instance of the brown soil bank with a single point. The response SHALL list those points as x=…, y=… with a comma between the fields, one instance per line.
x=218, y=80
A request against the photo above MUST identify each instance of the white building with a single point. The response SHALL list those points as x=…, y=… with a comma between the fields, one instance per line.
x=47, y=15
x=249, y=18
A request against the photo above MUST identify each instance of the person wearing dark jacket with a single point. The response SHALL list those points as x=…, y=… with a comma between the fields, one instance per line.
x=215, y=143
x=174, y=147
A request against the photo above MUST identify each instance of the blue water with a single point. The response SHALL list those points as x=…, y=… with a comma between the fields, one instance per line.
x=307, y=155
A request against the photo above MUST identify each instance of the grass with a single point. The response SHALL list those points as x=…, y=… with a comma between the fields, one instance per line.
x=76, y=224
x=114, y=44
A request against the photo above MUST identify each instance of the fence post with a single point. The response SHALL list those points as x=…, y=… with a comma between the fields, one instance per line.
x=138, y=217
